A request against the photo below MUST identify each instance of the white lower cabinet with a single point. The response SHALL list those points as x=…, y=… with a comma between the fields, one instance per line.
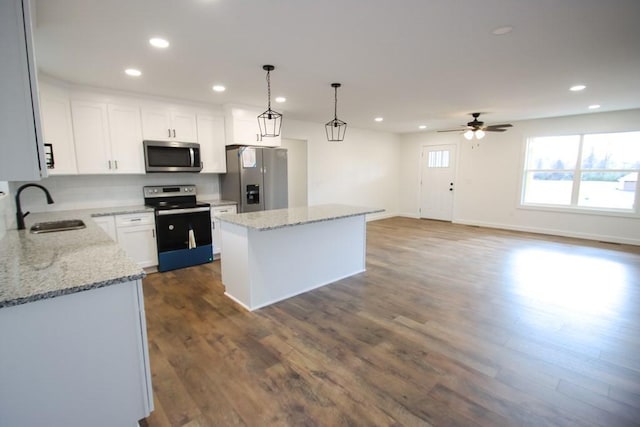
x=76, y=360
x=108, y=224
x=215, y=226
x=137, y=236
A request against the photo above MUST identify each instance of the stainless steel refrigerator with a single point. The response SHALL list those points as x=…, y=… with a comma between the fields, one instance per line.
x=256, y=178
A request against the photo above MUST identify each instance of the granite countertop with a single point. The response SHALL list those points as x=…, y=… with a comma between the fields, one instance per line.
x=47, y=265
x=278, y=218
x=118, y=210
x=215, y=203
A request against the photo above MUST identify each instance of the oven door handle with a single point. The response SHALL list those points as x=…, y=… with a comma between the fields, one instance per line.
x=182, y=211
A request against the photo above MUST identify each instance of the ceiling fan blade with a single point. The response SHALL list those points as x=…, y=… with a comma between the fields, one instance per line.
x=452, y=130
x=506, y=125
x=494, y=130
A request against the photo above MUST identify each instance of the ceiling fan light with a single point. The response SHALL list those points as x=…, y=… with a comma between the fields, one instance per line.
x=469, y=134
x=479, y=134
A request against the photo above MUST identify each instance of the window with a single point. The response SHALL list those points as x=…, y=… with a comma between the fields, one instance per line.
x=438, y=159
x=595, y=171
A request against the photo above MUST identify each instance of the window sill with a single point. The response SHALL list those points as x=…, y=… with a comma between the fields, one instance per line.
x=582, y=211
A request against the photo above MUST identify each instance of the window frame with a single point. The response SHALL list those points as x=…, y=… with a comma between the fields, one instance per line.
x=577, y=172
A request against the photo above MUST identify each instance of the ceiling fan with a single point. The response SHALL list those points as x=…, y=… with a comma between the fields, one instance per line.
x=477, y=128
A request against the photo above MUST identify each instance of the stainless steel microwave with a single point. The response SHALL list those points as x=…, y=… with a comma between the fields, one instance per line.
x=172, y=156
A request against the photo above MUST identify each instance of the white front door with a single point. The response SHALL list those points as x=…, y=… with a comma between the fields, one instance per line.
x=437, y=181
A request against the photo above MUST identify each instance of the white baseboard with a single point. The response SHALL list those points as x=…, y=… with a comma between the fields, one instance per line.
x=409, y=215
x=552, y=232
x=381, y=215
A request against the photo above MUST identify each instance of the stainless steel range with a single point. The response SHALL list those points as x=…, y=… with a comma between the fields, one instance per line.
x=183, y=226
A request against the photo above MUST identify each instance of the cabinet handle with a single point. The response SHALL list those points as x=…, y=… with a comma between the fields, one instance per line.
x=174, y=133
x=116, y=163
x=109, y=161
x=213, y=225
x=257, y=137
x=169, y=131
x=153, y=233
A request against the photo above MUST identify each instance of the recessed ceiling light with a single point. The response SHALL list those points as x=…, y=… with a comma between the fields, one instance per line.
x=594, y=106
x=281, y=99
x=378, y=119
x=219, y=88
x=500, y=31
x=133, y=72
x=158, y=42
x=422, y=127
x=577, y=88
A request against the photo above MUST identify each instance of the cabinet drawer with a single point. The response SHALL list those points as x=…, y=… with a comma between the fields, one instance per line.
x=221, y=210
x=134, y=219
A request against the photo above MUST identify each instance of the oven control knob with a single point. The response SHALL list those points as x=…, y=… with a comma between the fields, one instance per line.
x=170, y=226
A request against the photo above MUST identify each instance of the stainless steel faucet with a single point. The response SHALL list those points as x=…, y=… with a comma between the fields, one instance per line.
x=19, y=215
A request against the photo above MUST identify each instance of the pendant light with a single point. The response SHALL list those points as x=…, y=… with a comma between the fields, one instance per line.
x=336, y=128
x=270, y=121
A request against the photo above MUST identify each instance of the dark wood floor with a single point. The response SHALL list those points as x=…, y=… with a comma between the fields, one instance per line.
x=450, y=325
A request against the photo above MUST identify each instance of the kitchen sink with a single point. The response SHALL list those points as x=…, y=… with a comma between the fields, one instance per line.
x=51, y=226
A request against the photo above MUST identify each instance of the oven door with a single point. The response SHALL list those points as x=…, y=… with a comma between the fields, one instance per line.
x=173, y=226
x=183, y=237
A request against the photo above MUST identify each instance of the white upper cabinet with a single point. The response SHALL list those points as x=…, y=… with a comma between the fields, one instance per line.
x=21, y=144
x=57, y=131
x=91, y=135
x=125, y=131
x=168, y=125
x=212, y=143
x=108, y=138
x=242, y=128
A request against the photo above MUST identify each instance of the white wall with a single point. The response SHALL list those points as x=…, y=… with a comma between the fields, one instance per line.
x=95, y=191
x=297, y=182
x=487, y=188
x=362, y=170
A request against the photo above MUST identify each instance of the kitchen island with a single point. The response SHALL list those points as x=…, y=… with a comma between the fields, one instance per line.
x=73, y=338
x=272, y=255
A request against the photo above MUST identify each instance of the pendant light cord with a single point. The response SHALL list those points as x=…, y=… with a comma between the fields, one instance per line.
x=269, y=89
x=335, y=104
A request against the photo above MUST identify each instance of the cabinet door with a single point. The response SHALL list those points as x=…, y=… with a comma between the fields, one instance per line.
x=21, y=144
x=108, y=224
x=246, y=131
x=212, y=145
x=243, y=128
x=275, y=141
x=216, y=235
x=91, y=135
x=156, y=124
x=125, y=130
x=183, y=126
x=139, y=242
x=57, y=130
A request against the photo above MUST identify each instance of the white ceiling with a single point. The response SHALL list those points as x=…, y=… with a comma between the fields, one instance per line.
x=412, y=62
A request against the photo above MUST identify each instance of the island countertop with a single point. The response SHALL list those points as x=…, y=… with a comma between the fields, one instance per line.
x=47, y=265
x=278, y=218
